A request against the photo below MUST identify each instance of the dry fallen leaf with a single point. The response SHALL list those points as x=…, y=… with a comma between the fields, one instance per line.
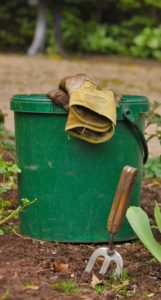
x=95, y=281
x=117, y=287
x=59, y=267
x=32, y=287
x=125, y=282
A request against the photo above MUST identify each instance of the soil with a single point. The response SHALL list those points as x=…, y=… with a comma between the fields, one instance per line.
x=29, y=268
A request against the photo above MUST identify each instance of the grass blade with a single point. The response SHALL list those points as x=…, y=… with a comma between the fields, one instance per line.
x=157, y=214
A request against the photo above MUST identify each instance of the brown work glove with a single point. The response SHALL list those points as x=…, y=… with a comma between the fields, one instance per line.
x=60, y=96
x=92, y=112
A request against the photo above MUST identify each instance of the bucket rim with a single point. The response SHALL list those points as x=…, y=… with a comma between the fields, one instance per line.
x=41, y=103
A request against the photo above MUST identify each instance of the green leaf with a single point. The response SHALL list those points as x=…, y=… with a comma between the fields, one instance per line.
x=157, y=214
x=139, y=222
x=25, y=201
x=1, y=231
x=14, y=169
x=152, y=168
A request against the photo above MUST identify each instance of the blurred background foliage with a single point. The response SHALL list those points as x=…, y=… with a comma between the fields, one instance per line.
x=122, y=27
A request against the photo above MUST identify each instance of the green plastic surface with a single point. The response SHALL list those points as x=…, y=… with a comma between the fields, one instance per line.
x=73, y=181
x=42, y=104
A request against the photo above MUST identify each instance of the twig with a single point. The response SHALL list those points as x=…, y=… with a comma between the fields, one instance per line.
x=23, y=237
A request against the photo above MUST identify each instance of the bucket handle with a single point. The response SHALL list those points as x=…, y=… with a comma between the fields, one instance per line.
x=138, y=134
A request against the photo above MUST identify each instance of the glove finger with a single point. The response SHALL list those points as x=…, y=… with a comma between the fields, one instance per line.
x=60, y=98
x=70, y=83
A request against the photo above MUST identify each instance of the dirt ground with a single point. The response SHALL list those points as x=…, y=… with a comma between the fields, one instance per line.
x=29, y=269
x=39, y=74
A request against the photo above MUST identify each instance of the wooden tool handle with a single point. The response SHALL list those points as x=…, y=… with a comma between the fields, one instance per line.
x=120, y=203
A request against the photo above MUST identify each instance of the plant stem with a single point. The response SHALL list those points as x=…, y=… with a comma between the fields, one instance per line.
x=16, y=212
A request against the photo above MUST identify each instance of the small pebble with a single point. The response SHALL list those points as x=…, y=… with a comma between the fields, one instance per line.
x=54, y=277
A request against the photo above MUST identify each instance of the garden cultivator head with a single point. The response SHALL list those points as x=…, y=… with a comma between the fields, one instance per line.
x=115, y=220
x=108, y=258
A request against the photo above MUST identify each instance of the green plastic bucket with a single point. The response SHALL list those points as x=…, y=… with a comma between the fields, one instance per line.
x=73, y=181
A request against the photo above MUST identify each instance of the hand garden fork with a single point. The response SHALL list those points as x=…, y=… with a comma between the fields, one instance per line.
x=115, y=220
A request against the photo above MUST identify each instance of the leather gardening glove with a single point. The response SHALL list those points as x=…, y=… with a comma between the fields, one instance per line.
x=92, y=112
x=60, y=98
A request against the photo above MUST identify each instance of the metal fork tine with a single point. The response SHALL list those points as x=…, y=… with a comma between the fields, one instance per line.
x=119, y=265
x=104, y=266
x=97, y=253
x=115, y=257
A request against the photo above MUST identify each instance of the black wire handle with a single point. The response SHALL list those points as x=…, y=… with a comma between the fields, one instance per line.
x=138, y=134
